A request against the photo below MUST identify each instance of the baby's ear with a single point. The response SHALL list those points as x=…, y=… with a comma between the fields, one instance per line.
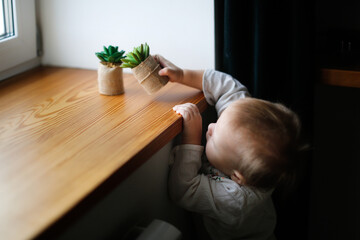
x=237, y=177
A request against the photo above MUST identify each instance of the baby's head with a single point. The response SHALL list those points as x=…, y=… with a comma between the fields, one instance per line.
x=255, y=142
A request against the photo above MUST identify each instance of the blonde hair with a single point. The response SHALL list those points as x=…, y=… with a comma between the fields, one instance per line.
x=272, y=135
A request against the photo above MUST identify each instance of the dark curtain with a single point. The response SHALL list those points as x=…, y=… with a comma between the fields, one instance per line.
x=269, y=47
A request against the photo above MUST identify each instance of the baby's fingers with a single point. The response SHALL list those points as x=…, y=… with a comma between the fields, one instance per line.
x=188, y=107
x=182, y=112
x=191, y=124
x=185, y=111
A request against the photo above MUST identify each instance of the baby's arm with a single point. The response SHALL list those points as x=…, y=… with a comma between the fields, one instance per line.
x=191, y=78
x=220, y=89
x=191, y=190
x=197, y=192
x=192, y=123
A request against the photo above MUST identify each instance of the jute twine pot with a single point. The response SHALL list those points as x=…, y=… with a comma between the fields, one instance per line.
x=147, y=75
x=110, y=80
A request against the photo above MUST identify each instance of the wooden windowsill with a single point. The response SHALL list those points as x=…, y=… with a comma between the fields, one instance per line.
x=60, y=140
x=338, y=77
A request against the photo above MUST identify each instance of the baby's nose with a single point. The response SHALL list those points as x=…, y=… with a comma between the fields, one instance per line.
x=211, y=128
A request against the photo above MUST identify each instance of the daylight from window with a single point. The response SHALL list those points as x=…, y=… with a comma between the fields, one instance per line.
x=2, y=26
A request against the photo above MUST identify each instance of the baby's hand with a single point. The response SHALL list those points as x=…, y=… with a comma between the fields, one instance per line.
x=174, y=73
x=192, y=123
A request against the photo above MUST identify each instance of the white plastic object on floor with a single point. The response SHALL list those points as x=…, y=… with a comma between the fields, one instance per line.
x=160, y=230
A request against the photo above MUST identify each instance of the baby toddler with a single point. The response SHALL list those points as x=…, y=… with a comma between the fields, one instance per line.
x=249, y=151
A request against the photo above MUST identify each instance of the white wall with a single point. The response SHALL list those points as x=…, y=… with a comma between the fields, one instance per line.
x=180, y=30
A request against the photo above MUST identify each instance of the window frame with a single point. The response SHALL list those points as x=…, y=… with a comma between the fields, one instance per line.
x=8, y=19
x=2, y=21
x=21, y=47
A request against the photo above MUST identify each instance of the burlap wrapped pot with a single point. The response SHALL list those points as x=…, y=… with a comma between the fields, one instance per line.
x=147, y=75
x=110, y=80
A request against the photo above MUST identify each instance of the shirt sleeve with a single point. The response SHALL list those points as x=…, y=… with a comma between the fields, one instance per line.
x=197, y=192
x=221, y=89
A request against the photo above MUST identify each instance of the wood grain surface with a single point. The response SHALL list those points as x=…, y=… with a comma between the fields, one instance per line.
x=60, y=140
x=337, y=77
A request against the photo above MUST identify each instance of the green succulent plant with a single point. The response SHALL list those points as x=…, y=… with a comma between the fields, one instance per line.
x=135, y=57
x=111, y=55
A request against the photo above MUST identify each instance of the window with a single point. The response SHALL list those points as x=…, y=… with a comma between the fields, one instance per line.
x=17, y=37
x=2, y=16
x=6, y=19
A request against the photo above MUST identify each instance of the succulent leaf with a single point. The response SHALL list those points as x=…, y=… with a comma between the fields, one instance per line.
x=135, y=57
x=146, y=50
x=136, y=52
x=141, y=48
x=111, y=59
x=126, y=65
x=118, y=60
x=130, y=61
x=100, y=56
x=106, y=50
x=111, y=54
x=130, y=55
x=117, y=54
x=111, y=50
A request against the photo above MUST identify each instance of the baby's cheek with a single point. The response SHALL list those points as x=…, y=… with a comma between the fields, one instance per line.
x=208, y=149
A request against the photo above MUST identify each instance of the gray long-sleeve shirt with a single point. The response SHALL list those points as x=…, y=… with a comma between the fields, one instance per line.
x=229, y=210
